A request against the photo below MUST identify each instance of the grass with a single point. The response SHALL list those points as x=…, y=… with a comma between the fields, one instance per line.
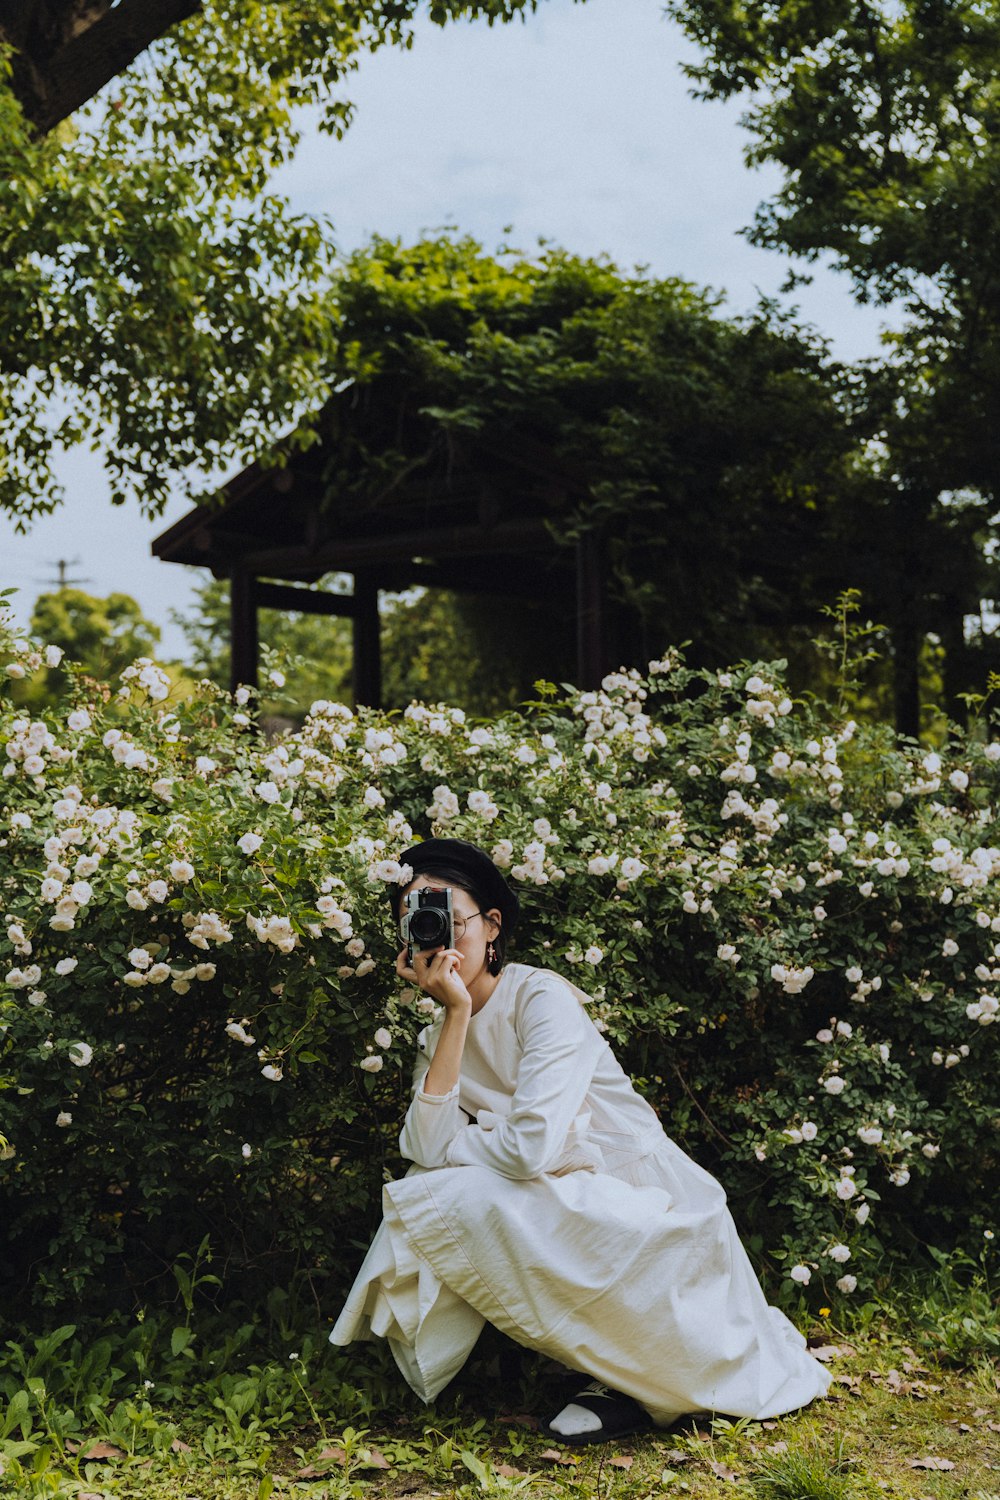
x=913, y=1415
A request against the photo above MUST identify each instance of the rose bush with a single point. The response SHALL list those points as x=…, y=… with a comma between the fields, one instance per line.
x=789, y=925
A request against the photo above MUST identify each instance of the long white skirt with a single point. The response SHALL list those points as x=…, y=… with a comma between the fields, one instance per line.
x=637, y=1279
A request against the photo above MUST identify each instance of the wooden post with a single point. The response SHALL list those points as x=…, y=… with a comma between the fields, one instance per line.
x=367, y=640
x=243, y=641
x=590, y=649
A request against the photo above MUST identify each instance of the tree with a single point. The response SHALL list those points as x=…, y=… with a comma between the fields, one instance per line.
x=153, y=294
x=102, y=635
x=883, y=117
x=703, y=451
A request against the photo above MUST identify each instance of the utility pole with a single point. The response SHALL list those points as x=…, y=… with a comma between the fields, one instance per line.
x=63, y=582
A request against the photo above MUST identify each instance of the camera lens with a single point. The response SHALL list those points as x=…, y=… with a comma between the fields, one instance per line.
x=428, y=927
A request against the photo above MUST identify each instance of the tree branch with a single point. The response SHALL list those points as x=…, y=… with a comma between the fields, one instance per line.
x=68, y=52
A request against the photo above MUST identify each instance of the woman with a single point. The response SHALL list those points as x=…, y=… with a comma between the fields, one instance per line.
x=546, y=1198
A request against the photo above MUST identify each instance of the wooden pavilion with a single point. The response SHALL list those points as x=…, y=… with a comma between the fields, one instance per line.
x=464, y=517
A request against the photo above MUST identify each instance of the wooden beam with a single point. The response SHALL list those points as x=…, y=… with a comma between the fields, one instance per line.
x=348, y=554
x=367, y=641
x=244, y=651
x=590, y=611
x=304, y=601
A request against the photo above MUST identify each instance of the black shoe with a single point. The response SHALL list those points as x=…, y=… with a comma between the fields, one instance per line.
x=620, y=1417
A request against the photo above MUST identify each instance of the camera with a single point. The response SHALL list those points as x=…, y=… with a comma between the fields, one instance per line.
x=427, y=921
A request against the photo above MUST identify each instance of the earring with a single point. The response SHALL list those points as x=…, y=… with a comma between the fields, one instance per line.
x=491, y=954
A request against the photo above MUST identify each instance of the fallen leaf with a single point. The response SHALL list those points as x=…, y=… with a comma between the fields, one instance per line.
x=930, y=1463
x=721, y=1472
x=101, y=1450
x=621, y=1461
x=963, y=1426
x=677, y=1455
x=321, y=1463
x=179, y=1446
x=769, y=1426
x=519, y=1419
x=554, y=1456
x=853, y=1382
x=376, y=1460
x=826, y=1352
x=781, y=1447
x=993, y=1426
x=506, y=1472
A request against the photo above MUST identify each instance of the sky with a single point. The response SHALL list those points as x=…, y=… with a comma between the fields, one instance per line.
x=577, y=127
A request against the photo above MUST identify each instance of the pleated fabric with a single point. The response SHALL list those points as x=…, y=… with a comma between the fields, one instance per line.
x=547, y=1200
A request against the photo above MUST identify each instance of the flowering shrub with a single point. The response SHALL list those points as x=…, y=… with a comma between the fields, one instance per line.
x=790, y=928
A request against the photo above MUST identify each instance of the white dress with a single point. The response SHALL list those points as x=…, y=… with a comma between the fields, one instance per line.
x=563, y=1214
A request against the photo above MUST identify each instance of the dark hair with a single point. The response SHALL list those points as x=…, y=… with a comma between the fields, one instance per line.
x=460, y=878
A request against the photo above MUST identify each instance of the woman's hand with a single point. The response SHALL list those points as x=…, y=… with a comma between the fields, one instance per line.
x=437, y=972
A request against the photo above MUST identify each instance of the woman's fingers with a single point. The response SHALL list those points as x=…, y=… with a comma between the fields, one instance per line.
x=404, y=969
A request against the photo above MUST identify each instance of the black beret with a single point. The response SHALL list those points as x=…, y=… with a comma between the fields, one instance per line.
x=466, y=865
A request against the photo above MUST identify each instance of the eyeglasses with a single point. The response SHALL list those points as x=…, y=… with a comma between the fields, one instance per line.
x=459, y=923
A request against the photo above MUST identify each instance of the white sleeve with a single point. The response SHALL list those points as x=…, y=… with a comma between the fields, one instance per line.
x=432, y=1120
x=560, y=1051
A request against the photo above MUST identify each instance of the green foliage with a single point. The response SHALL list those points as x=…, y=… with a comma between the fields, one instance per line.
x=702, y=450
x=100, y=635
x=788, y=924
x=153, y=294
x=882, y=119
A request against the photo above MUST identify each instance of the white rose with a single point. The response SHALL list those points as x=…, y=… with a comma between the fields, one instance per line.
x=181, y=869
x=159, y=890
x=136, y=900
x=871, y=1135
x=383, y=1038
x=365, y=967
x=66, y=965
x=64, y=1118
x=839, y=1253
x=272, y=1072
x=53, y=655
x=801, y=1274
x=862, y=1212
x=847, y=1283
x=249, y=843
x=835, y=1084
x=158, y=973
x=808, y=1130
x=78, y=720
x=846, y=1188
x=356, y=947
x=949, y=948
x=80, y=1054
x=276, y=679
x=246, y=1150
x=373, y=797
x=267, y=792
x=372, y=1064
x=593, y=955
